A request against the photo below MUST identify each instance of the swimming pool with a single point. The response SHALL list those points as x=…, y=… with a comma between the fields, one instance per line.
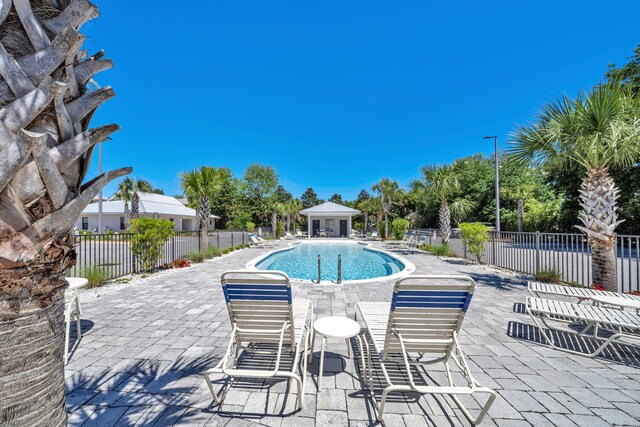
x=359, y=262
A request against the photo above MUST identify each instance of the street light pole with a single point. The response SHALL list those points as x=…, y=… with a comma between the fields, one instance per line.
x=100, y=193
x=495, y=139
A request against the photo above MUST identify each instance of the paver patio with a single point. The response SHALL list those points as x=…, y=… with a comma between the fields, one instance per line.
x=145, y=347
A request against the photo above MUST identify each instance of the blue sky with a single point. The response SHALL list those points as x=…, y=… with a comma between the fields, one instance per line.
x=333, y=94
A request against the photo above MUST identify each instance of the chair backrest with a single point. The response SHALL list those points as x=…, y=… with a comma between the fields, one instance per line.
x=259, y=301
x=254, y=238
x=374, y=234
x=426, y=311
x=288, y=234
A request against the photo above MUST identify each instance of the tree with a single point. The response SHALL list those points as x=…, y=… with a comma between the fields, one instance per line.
x=226, y=200
x=199, y=184
x=149, y=237
x=137, y=186
x=45, y=151
x=597, y=131
x=125, y=191
x=389, y=193
x=336, y=198
x=442, y=183
x=260, y=183
x=310, y=199
x=628, y=74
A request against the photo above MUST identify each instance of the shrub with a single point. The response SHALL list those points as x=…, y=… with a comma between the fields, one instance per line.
x=439, y=250
x=95, y=275
x=181, y=263
x=551, y=275
x=475, y=235
x=212, y=252
x=250, y=226
x=196, y=257
x=149, y=236
x=226, y=251
x=399, y=227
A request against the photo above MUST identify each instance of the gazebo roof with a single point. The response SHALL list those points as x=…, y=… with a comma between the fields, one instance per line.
x=330, y=208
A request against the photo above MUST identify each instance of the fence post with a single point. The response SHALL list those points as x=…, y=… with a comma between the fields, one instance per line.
x=243, y=237
x=218, y=238
x=493, y=248
x=173, y=248
x=537, y=251
x=232, y=238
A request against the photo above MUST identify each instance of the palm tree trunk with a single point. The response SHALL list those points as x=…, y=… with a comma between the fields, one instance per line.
x=598, y=197
x=274, y=223
x=203, y=226
x=366, y=220
x=386, y=226
x=445, y=222
x=127, y=215
x=520, y=215
x=32, y=338
x=135, y=205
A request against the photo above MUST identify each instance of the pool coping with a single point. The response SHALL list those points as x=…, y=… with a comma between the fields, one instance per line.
x=409, y=266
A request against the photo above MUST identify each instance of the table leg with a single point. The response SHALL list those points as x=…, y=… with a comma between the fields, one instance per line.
x=79, y=306
x=324, y=344
x=348, y=341
x=313, y=344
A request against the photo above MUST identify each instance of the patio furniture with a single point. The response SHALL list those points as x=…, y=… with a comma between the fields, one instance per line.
x=288, y=236
x=76, y=283
x=333, y=327
x=420, y=327
x=373, y=236
x=71, y=313
x=262, y=313
x=537, y=289
x=616, y=301
x=621, y=321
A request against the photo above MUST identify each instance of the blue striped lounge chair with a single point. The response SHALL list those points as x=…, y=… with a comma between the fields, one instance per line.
x=419, y=327
x=264, y=319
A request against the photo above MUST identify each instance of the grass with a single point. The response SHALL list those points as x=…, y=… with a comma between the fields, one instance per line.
x=439, y=250
x=196, y=257
x=95, y=275
x=551, y=275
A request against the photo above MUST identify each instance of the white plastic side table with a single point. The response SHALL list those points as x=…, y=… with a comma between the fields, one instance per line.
x=333, y=327
x=76, y=283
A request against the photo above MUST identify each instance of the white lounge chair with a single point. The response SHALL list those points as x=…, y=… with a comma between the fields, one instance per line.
x=373, y=236
x=71, y=313
x=299, y=234
x=537, y=289
x=254, y=242
x=621, y=321
x=423, y=320
x=288, y=236
x=262, y=312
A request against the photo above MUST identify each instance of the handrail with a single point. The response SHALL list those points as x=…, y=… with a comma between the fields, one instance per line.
x=318, y=269
x=339, y=269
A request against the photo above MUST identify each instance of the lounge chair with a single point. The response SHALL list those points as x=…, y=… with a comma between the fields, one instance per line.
x=288, y=236
x=537, y=289
x=254, y=242
x=373, y=236
x=262, y=313
x=423, y=319
x=299, y=234
x=71, y=313
x=625, y=323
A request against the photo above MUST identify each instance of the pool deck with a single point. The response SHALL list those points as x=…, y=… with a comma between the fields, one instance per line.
x=144, y=348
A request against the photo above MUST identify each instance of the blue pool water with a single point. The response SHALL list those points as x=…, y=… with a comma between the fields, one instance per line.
x=358, y=262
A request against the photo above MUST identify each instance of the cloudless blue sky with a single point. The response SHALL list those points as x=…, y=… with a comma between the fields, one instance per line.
x=334, y=94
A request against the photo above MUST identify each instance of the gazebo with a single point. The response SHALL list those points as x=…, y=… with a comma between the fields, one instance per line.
x=329, y=220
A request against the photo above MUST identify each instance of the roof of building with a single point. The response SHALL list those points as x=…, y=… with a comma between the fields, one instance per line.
x=330, y=208
x=150, y=203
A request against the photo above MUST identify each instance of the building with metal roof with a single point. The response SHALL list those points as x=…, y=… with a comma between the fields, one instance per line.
x=151, y=206
x=329, y=219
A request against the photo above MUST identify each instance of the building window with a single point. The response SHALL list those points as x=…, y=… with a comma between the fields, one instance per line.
x=171, y=219
x=85, y=222
x=210, y=222
x=122, y=223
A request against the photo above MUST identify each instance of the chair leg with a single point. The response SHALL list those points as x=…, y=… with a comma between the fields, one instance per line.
x=324, y=344
x=78, y=326
x=66, y=339
x=485, y=408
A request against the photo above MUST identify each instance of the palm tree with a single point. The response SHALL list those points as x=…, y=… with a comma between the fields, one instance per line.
x=138, y=185
x=366, y=206
x=442, y=182
x=125, y=191
x=598, y=130
x=45, y=150
x=389, y=191
x=198, y=185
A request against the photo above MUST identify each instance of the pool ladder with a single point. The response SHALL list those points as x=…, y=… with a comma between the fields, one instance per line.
x=339, y=281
